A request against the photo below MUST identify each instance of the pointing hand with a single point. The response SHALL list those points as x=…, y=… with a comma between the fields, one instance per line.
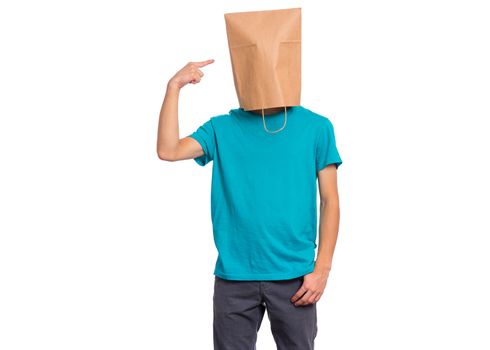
x=190, y=73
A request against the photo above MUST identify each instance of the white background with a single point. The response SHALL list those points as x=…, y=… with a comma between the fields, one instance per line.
x=105, y=246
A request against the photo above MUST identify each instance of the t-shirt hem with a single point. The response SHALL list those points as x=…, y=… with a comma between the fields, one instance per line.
x=337, y=163
x=263, y=276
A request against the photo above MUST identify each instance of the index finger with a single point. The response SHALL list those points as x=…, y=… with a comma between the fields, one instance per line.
x=204, y=63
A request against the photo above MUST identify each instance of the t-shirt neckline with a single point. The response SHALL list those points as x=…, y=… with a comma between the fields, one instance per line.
x=290, y=109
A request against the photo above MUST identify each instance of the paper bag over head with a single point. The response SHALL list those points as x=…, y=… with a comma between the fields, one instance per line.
x=265, y=52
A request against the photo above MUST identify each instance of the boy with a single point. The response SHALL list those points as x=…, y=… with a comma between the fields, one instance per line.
x=263, y=194
x=265, y=166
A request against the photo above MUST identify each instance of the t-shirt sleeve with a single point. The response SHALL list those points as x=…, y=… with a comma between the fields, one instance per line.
x=326, y=148
x=206, y=137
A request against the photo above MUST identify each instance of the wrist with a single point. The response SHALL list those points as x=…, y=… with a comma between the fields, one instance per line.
x=323, y=268
x=173, y=86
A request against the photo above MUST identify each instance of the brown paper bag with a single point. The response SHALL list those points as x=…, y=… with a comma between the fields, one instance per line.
x=265, y=51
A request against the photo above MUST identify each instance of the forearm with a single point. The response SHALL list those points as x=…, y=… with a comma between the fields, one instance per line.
x=328, y=228
x=168, y=124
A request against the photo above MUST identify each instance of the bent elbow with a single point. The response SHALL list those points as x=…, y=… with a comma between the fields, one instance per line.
x=166, y=156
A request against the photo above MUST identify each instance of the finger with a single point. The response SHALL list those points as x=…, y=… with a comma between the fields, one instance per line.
x=304, y=299
x=203, y=63
x=198, y=76
x=298, y=294
x=317, y=298
x=196, y=79
x=312, y=299
x=196, y=73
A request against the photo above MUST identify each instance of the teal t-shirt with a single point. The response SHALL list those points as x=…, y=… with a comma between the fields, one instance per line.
x=264, y=190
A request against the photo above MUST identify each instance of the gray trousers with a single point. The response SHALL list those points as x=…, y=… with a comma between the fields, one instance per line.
x=239, y=308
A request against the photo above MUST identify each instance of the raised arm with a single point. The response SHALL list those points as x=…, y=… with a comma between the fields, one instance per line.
x=170, y=146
